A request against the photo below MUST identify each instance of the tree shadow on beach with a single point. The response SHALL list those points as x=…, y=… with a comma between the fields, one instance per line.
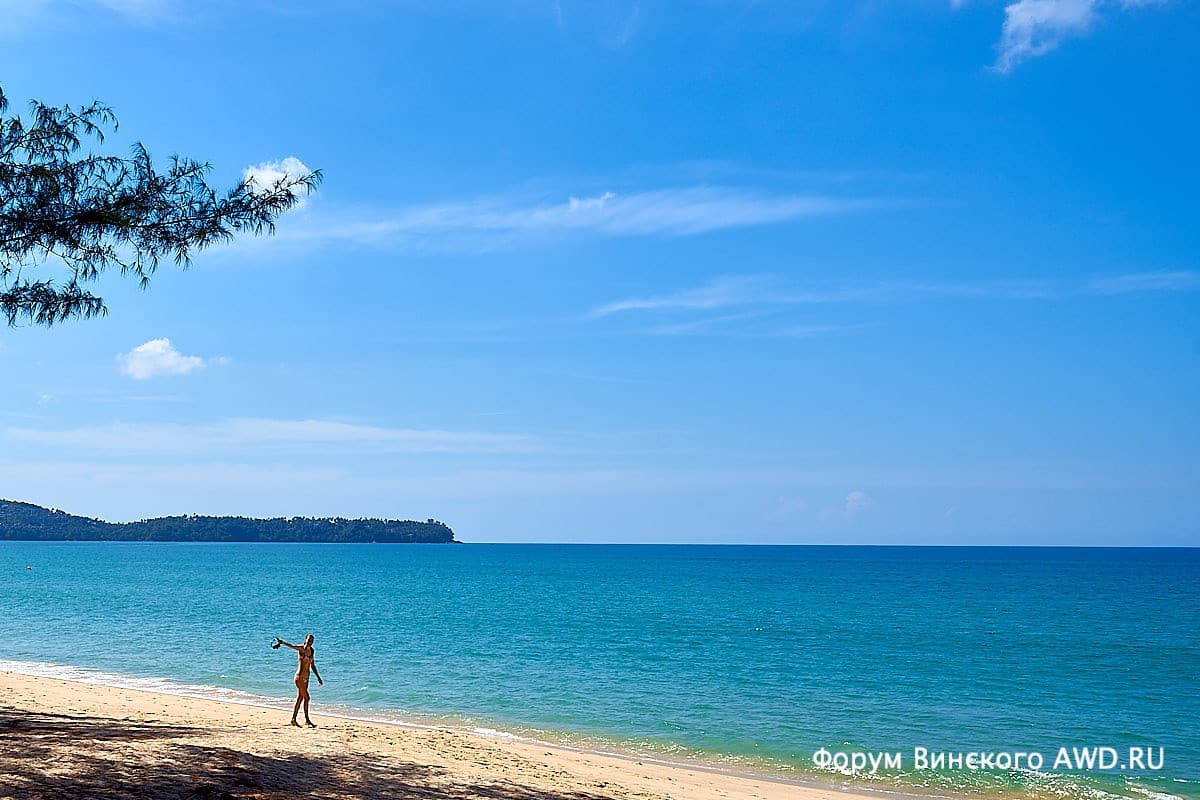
x=47, y=756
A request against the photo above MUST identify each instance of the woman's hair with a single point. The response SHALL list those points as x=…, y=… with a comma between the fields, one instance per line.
x=308, y=639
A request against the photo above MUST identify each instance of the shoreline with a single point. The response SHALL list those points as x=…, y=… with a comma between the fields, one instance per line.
x=65, y=688
x=492, y=730
x=500, y=734
x=543, y=768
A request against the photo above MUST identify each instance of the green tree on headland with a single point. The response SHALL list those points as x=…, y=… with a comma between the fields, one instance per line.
x=86, y=213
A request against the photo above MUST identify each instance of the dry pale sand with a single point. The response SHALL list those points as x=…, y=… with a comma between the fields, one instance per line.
x=61, y=739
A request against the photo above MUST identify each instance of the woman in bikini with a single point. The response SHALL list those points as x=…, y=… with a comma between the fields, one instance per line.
x=306, y=660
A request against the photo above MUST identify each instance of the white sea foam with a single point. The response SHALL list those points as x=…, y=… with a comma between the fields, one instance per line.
x=97, y=677
x=1150, y=793
x=492, y=733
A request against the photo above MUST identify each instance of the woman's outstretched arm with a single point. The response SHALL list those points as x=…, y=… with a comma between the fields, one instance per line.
x=287, y=644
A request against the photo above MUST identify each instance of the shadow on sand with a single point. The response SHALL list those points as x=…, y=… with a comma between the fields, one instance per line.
x=63, y=757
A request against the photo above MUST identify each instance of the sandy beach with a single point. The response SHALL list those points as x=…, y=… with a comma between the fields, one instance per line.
x=62, y=739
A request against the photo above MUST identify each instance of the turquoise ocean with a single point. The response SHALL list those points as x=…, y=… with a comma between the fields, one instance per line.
x=749, y=658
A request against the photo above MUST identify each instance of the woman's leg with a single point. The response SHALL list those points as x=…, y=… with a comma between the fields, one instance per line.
x=301, y=691
x=304, y=699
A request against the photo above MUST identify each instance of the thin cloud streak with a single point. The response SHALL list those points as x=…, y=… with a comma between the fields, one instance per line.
x=733, y=291
x=727, y=290
x=722, y=326
x=496, y=223
x=19, y=15
x=1177, y=281
x=703, y=325
x=260, y=434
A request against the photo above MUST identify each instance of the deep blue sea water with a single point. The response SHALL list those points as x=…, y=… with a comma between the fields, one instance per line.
x=750, y=656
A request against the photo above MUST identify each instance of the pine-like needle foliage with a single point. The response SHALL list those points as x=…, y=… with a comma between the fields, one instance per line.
x=86, y=213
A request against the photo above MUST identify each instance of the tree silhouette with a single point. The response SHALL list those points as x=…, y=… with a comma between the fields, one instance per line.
x=86, y=213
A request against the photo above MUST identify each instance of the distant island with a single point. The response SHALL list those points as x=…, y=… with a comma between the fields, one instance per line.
x=26, y=521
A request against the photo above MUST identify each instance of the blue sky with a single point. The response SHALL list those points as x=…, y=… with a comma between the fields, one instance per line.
x=908, y=272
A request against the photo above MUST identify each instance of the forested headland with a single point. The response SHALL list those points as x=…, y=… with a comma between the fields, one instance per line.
x=26, y=521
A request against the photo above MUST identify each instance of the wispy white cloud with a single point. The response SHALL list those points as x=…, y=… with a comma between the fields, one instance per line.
x=811, y=331
x=720, y=292
x=749, y=325
x=243, y=434
x=703, y=325
x=18, y=15
x=731, y=291
x=138, y=9
x=502, y=222
x=1023, y=289
x=159, y=357
x=1036, y=27
x=751, y=291
x=1177, y=281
